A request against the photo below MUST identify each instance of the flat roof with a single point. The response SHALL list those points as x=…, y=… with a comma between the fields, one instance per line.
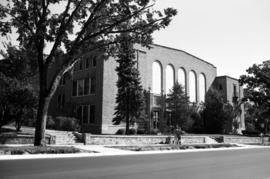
x=185, y=53
x=225, y=76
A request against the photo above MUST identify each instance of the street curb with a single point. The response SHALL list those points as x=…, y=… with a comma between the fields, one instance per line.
x=124, y=153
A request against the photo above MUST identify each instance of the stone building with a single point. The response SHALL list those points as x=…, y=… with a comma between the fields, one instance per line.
x=90, y=91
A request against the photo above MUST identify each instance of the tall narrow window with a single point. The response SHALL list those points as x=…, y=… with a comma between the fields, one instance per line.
x=234, y=91
x=86, y=86
x=74, y=88
x=79, y=113
x=92, y=114
x=202, y=88
x=156, y=77
x=85, y=113
x=94, y=61
x=87, y=62
x=182, y=77
x=169, y=78
x=93, y=85
x=80, y=64
x=192, y=86
x=80, y=87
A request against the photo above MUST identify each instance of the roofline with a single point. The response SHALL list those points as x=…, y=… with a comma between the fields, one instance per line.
x=226, y=76
x=185, y=53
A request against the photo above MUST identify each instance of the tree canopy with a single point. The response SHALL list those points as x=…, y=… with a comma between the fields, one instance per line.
x=178, y=105
x=73, y=28
x=257, y=90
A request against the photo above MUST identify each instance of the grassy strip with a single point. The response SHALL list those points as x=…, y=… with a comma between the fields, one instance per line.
x=37, y=150
x=173, y=147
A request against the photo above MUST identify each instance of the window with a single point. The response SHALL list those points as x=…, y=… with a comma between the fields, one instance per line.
x=87, y=61
x=169, y=78
x=94, y=61
x=86, y=114
x=156, y=77
x=182, y=77
x=80, y=64
x=80, y=89
x=93, y=85
x=92, y=114
x=192, y=86
x=74, y=88
x=234, y=90
x=202, y=87
x=84, y=86
x=63, y=80
x=60, y=100
x=155, y=120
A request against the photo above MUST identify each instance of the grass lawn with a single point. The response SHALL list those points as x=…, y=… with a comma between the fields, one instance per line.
x=39, y=150
x=173, y=147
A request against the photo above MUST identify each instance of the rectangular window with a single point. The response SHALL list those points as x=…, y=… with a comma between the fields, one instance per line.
x=156, y=120
x=74, y=88
x=80, y=87
x=80, y=64
x=63, y=80
x=60, y=100
x=85, y=113
x=234, y=91
x=86, y=86
x=93, y=85
x=87, y=60
x=92, y=114
x=79, y=114
x=94, y=61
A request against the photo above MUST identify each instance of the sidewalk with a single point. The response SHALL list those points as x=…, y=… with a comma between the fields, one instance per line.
x=106, y=151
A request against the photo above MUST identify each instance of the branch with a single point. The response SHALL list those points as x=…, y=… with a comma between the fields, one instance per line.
x=112, y=25
x=62, y=30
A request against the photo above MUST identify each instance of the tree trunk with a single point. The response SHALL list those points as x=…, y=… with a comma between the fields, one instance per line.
x=127, y=112
x=41, y=120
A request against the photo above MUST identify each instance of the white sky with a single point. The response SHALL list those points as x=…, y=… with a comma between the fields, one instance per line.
x=231, y=34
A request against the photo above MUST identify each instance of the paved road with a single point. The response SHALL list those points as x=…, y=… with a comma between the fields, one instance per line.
x=249, y=163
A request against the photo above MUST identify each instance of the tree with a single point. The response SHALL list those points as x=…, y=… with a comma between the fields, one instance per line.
x=178, y=105
x=217, y=113
x=257, y=90
x=81, y=27
x=17, y=97
x=129, y=97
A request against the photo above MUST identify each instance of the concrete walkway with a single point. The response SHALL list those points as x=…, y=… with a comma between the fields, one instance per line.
x=106, y=151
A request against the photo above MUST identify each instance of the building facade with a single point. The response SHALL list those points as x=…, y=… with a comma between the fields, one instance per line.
x=89, y=92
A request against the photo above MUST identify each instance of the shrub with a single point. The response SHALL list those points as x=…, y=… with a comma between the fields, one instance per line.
x=63, y=123
x=50, y=123
x=154, y=131
x=120, y=132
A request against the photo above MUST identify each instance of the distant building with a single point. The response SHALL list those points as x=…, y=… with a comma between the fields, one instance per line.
x=89, y=92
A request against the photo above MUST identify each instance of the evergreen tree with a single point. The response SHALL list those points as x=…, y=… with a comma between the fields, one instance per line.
x=178, y=104
x=217, y=113
x=129, y=97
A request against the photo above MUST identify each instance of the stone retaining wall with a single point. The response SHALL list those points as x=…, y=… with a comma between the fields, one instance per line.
x=242, y=140
x=138, y=140
x=23, y=139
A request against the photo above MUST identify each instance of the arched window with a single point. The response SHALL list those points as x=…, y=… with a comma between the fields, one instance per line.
x=169, y=78
x=202, y=88
x=156, y=77
x=182, y=77
x=192, y=86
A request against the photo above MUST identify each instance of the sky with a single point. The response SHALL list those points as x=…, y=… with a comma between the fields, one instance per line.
x=230, y=34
